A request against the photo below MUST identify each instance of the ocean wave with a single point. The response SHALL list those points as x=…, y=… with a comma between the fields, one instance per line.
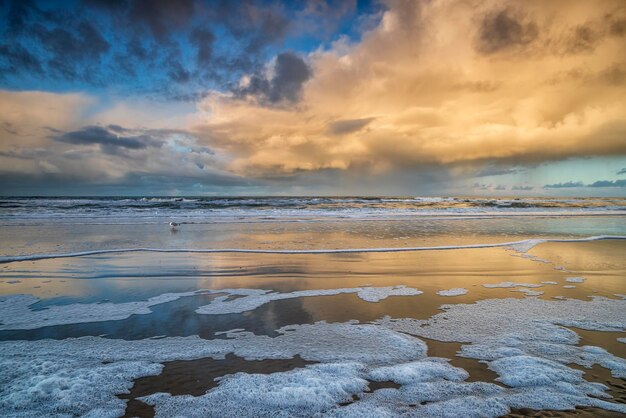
x=281, y=206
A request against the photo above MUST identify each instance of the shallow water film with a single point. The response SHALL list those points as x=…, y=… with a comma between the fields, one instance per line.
x=508, y=309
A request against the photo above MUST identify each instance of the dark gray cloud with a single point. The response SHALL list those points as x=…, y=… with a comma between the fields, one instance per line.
x=171, y=48
x=496, y=171
x=203, y=40
x=110, y=138
x=346, y=126
x=25, y=154
x=504, y=29
x=73, y=50
x=18, y=58
x=608, y=183
x=163, y=16
x=522, y=188
x=599, y=183
x=564, y=185
x=132, y=184
x=290, y=73
x=622, y=171
x=114, y=138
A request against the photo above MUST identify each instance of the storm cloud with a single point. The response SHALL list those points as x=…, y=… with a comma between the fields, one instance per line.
x=170, y=48
x=290, y=72
x=108, y=138
x=408, y=96
x=395, y=99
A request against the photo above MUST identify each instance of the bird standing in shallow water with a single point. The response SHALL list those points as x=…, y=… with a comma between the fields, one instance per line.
x=173, y=225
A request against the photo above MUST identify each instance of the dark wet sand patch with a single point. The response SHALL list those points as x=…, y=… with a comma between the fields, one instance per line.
x=582, y=412
x=478, y=371
x=196, y=377
x=603, y=339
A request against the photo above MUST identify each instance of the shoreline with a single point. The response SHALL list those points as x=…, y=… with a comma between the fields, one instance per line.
x=520, y=246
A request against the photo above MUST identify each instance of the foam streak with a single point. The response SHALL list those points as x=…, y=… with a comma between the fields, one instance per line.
x=520, y=246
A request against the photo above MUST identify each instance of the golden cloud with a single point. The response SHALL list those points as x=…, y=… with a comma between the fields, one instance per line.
x=443, y=82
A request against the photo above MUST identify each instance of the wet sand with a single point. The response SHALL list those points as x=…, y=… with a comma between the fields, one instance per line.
x=137, y=276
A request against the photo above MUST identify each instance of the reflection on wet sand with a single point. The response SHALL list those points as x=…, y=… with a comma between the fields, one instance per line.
x=602, y=264
x=141, y=275
x=426, y=271
x=138, y=276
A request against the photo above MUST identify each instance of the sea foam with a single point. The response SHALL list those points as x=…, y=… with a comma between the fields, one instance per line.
x=16, y=310
x=510, y=284
x=457, y=291
x=523, y=340
x=527, y=343
x=256, y=298
x=81, y=376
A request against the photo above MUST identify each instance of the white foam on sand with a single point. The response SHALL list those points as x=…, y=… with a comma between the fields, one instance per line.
x=296, y=393
x=16, y=310
x=510, y=284
x=527, y=343
x=58, y=385
x=575, y=279
x=528, y=292
x=80, y=376
x=523, y=340
x=430, y=387
x=550, y=282
x=256, y=298
x=376, y=294
x=457, y=291
x=569, y=286
x=533, y=258
x=317, y=390
x=622, y=340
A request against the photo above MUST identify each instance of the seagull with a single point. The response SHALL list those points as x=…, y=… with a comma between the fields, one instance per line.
x=173, y=225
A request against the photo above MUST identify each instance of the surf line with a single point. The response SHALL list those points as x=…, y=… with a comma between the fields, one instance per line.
x=520, y=246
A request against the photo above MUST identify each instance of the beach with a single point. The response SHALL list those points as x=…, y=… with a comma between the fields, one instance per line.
x=313, y=306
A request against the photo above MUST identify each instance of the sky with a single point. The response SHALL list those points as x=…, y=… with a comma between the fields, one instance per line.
x=317, y=97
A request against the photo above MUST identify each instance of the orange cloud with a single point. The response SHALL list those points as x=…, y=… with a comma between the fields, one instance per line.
x=443, y=82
